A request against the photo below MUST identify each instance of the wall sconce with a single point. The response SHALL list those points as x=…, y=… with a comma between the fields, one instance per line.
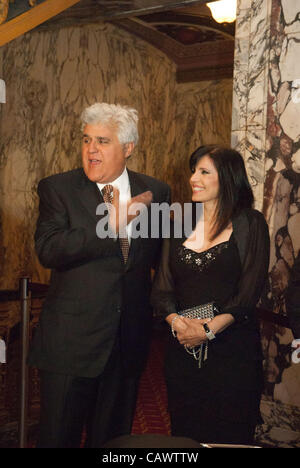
x=223, y=11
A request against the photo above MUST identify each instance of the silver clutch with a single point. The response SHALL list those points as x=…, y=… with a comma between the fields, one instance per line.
x=204, y=311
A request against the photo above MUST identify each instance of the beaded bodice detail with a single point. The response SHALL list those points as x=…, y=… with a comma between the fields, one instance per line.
x=201, y=277
x=200, y=260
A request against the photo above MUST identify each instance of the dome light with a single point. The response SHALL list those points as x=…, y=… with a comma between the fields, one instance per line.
x=223, y=11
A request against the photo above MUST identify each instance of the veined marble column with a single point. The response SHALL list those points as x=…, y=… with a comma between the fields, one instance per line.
x=249, y=113
x=266, y=130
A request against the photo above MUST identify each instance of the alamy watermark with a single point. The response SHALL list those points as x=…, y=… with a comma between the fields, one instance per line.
x=155, y=221
x=296, y=353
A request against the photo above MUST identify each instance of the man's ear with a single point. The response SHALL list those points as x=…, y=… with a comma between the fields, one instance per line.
x=128, y=149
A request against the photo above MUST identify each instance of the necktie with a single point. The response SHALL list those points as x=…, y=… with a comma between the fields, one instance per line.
x=107, y=193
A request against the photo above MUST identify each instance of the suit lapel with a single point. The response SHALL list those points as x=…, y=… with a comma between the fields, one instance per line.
x=137, y=186
x=88, y=194
x=90, y=197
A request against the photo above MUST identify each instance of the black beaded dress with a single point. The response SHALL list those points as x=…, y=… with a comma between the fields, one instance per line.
x=219, y=402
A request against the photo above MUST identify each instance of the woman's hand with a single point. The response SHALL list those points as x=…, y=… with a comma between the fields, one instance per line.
x=192, y=332
x=176, y=323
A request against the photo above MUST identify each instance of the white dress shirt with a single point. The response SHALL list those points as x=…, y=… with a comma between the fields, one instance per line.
x=123, y=185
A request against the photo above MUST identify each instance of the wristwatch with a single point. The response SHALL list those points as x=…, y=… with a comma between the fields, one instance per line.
x=210, y=335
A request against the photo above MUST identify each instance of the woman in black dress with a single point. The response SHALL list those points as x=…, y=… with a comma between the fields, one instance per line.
x=215, y=398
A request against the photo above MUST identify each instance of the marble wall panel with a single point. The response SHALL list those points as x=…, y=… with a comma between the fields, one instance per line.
x=254, y=157
x=281, y=426
x=240, y=100
x=268, y=131
x=250, y=89
x=238, y=140
x=243, y=5
x=202, y=117
x=241, y=61
x=282, y=174
x=270, y=142
x=289, y=67
x=290, y=11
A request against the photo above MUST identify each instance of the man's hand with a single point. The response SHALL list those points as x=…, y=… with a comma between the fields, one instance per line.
x=124, y=213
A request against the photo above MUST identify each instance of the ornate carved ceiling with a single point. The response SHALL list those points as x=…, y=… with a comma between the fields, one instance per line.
x=184, y=30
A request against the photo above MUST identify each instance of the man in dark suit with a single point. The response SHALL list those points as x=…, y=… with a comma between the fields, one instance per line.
x=92, y=339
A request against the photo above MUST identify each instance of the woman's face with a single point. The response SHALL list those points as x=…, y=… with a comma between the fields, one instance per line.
x=205, y=181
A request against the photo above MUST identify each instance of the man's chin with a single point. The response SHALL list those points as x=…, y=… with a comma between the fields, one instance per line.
x=94, y=177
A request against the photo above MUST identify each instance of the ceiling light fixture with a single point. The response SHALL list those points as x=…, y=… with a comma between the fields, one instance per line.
x=223, y=11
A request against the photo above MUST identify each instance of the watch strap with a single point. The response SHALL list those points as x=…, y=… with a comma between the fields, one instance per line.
x=209, y=334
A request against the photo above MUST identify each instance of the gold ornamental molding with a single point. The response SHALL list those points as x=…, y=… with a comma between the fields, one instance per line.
x=3, y=10
x=4, y=6
x=35, y=16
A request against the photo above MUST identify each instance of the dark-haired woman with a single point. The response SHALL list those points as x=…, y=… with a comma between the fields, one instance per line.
x=214, y=395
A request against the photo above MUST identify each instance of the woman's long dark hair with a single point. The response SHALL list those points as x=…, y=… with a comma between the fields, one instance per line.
x=235, y=192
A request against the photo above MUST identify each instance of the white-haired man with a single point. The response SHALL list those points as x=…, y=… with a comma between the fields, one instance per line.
x=92, y=339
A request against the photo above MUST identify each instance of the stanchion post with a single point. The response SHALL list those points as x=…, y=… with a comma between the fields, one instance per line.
x=25, y=317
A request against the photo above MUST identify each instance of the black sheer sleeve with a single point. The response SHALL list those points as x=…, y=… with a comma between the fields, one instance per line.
x=162, y=296
x=254, y=270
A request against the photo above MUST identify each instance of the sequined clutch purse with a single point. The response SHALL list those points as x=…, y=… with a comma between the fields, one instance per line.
x=204, y=311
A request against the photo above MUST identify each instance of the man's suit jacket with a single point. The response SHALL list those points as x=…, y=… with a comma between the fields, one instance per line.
x=93, y=296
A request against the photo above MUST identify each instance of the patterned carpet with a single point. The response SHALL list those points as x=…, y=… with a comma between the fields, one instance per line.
x=151, y=416
x=151, y=413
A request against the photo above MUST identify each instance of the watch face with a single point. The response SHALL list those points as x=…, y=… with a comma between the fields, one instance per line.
x=210, y=335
